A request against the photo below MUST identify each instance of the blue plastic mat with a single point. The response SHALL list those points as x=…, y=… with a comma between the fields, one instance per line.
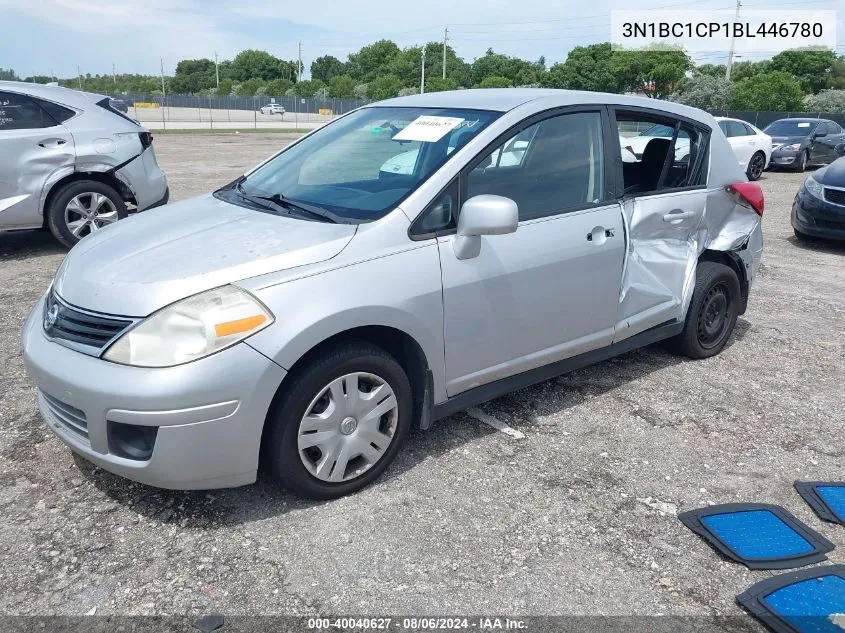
x=809, y=601
x=760, y=536
x=827, y=499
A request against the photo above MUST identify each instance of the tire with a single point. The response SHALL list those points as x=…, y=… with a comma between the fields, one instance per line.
x=802, y=165
x=712, y=313
x=801, y=236
x=756, y=166
x=313, y=472
x=64, y=220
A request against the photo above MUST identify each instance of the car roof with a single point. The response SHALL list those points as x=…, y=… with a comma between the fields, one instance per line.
x=66, y=96
x=504, y=99
x=805, y=119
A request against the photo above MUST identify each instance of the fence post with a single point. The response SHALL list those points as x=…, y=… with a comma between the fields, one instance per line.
x=163, y=122
x=210, y=114
x=254, y=114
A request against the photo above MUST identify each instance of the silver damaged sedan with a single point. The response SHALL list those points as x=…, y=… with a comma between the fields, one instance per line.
x=303, y=317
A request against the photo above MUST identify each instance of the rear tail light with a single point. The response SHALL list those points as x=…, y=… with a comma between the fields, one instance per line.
x=146, y=139
x=751, y=194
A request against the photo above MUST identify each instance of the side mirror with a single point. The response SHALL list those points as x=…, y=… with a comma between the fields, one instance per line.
x=840, y=149
x=483, y=215
x=819, y=134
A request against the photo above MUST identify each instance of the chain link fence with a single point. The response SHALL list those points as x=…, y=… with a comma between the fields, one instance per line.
x=173, y=112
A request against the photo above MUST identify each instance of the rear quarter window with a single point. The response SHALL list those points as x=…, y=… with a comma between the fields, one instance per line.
x=59, y=113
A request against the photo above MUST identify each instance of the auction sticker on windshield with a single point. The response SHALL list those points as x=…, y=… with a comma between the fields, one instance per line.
x=428, y=129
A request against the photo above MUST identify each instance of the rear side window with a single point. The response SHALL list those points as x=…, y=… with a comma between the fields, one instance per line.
x=738, y=129
x=20, y=112
x=60, y=114
x=551, y=167
x=661, y=153
x=749, y=131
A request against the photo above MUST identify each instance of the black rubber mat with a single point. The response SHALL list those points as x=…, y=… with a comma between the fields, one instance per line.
x=758, y=535
x=826, y=498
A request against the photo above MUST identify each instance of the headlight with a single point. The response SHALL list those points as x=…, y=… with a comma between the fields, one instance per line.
x=191, y=328
x=792, y=148
x=814, y=187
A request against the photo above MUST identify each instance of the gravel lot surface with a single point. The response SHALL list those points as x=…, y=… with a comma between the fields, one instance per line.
x=574, y=518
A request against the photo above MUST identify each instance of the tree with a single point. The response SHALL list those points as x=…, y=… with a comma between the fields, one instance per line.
x=811, y=67
x=826, y=101
x=384, y=87
x=39, y=79
x=342, y=87
x=225, y=88
x=707, y=92
x=495, y=82
x=496, y=65
x=438, y=84
x=711, y=70
x=307, y=87
x=372, y=60
x=326, y=67
x=277, y=87
x=744, y=70
x=837, y=74
x=654, y=70
x=7, y=74
x=776, y=91
x=586, y=68
x=249, y=87
x=250, y=64
x=193, y=75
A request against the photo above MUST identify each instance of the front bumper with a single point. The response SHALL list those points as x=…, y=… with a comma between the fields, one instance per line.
x=210, y=413
x=785, y=158
x=818, y=218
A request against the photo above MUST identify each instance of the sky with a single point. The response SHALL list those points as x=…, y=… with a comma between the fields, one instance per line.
x=54, y=37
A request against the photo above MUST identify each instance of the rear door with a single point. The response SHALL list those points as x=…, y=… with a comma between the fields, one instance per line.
x=33, y=146
x=663, y=206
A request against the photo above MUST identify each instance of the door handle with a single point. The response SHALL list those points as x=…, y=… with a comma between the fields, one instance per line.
x=53, y=142
x=677, y=215
x=598, y=230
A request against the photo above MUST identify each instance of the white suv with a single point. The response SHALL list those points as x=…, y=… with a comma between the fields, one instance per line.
x=71, y=162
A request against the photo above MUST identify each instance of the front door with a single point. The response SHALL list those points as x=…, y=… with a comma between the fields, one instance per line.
x=33, y=147
x=551, y=289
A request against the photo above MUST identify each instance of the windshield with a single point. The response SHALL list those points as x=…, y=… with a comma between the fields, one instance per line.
x=791, y=128
x=661, y=131
x=361, y=166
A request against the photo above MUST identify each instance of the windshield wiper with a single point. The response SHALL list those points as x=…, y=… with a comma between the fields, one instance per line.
x=302, y=208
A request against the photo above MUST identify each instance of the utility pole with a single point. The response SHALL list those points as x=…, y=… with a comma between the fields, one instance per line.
x=422, y=74
x=79, y=77
x=114, y=73
x=445, y=39
x=733, y=37
x=216, y=69
x=163, y=92
x=299, y=64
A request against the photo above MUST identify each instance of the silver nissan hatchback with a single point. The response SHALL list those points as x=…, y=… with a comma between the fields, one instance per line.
x=306, y=315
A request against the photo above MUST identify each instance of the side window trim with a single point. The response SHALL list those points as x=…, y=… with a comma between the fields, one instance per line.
x=657, y=116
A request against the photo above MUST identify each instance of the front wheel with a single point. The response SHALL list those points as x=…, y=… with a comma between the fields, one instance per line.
x=756, y=166
x=802, y=163
x=339, y=423
x=712, y=313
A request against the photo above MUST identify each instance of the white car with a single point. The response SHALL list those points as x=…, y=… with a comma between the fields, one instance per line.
x=272, y=108
x=752, y=147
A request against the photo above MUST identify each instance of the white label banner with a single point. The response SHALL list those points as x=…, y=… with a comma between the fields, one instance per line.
x=708, y=31
x=428, y=129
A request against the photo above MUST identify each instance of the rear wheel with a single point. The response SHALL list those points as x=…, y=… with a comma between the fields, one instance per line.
x=339, y=423
x=756, y=166
x=712, y=313
x=81, y=208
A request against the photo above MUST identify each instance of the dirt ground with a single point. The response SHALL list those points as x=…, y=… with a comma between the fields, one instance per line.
x=575, y=518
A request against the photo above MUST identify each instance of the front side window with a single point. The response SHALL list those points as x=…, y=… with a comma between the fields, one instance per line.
x=652, y=163
x=20, y=112
x=360, y=167
x=551, y=167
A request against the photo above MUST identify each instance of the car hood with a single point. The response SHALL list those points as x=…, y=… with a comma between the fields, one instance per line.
x=788, y=140
x=833, y=175
x=148, y=261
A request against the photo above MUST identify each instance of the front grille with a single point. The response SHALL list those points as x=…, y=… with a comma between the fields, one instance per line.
x=830, y=224
x=84, y=331
x=836, y=196
x=67, y=416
